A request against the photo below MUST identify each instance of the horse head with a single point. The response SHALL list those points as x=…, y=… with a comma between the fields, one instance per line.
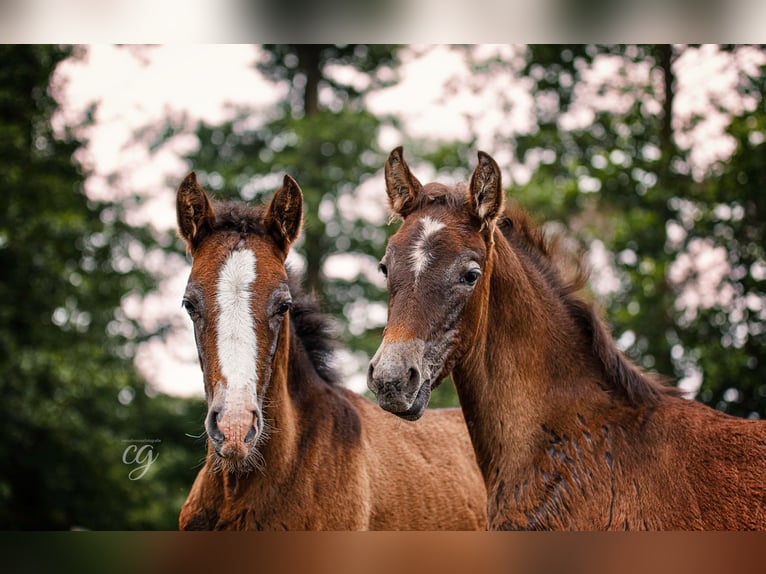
x=436, y=266
x=238, y=299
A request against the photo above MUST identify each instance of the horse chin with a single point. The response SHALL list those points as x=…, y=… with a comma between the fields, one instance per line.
x=234, y=452
x=239, y=462
x=419, y=405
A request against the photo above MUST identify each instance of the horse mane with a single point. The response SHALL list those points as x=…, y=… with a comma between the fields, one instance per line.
x=567, y=274
x=313, y=329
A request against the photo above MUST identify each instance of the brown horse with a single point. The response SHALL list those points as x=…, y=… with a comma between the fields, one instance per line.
x=288, y=447
x=567, y=432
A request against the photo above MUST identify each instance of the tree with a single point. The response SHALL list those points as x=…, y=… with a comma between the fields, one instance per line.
x=724, y=338
x=619, y=176
x=71, y=396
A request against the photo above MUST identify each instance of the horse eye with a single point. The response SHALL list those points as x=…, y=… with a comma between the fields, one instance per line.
x=284, y=307
x=471, y=277
x=189, y=307
x=383, y=269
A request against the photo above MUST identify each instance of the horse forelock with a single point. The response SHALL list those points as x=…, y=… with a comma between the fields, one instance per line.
x=453, y=197
x=238, y=217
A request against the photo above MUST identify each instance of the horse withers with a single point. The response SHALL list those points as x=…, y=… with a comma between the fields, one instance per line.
x=568, y=433
x=289, y=448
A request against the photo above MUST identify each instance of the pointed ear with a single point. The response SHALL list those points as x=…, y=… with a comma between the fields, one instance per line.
x=401, y=186
x=193, y=211
x=485, y=190
x=284, y=215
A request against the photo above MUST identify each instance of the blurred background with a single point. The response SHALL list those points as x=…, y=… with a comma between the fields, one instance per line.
x=650, y=158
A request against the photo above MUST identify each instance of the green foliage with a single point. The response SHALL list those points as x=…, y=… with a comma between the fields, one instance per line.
x=72, y=400
x=728, y=340
x=70, y=393
x=622, y=179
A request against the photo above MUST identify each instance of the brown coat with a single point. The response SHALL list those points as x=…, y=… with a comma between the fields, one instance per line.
x=568, y=433
x=289, y=448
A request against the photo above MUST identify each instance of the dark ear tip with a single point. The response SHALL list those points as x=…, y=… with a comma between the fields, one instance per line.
x=396, y=153
x=190, y=179
x=486, y=161
x=289, y=181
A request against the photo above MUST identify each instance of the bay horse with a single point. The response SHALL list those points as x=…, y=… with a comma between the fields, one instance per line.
x=568, y=433
x=289, y=448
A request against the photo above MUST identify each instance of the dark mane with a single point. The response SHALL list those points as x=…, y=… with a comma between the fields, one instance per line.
x=566, y=274
x=313, y=329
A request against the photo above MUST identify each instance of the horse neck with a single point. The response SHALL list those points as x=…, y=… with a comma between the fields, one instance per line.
x=525, y=367
x=280, y=408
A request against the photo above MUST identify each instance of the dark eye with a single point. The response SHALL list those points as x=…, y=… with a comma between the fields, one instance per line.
x=284, y=307
x=190, y=308
x=383, y=269
x=470, y=277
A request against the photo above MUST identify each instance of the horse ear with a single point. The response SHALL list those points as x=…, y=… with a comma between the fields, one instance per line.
x=284, y=215
x=401, y=186
x=193, y=210
x=485, y=190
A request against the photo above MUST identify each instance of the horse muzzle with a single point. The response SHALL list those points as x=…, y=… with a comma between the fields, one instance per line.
x=233, y=433
x=395, y=378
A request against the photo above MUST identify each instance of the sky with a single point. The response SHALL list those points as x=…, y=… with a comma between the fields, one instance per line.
x=138, y=87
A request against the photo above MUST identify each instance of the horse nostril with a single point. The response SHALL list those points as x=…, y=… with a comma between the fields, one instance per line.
x=212, y=426
x=414, y=377
x=251, y=433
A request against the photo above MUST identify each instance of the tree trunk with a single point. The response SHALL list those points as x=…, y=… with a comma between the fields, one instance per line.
x=309, y=63
x=667, y=146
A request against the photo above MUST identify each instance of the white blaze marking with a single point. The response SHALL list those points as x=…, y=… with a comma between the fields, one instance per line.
x=237, y=343
x=420, y=257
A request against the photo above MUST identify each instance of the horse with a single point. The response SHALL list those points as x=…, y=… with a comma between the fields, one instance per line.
x=569, y=434
x=290, y=448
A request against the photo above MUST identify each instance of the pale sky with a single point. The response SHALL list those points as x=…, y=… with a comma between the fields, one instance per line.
x=437, y=98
